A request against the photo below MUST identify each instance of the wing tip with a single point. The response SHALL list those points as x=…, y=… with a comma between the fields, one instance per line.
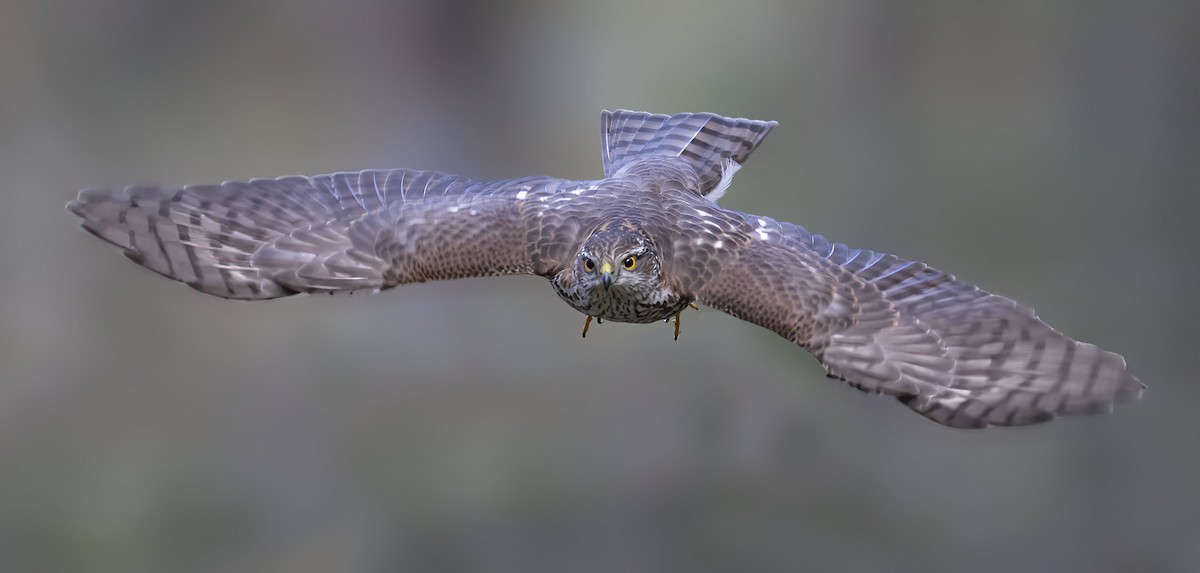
x=958, y=417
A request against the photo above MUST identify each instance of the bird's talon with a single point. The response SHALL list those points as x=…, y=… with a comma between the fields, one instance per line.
x=677, y=325
x=586, y=324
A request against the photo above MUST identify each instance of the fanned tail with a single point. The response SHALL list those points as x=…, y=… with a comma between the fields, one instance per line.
x=715, y=146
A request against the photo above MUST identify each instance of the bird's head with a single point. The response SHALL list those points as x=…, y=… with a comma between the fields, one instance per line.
x=617, y=259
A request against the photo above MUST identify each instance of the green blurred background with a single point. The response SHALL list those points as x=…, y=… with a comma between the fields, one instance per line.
x=1046, y=150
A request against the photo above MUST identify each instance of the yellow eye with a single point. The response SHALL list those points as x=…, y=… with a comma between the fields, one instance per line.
x=629, y=263
x=589, y=265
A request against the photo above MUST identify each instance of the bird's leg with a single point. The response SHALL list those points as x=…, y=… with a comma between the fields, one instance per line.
x=690, y=304
x=586, y=324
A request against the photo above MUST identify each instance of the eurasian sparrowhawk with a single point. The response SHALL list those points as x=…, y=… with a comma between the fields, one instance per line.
x=639, y=245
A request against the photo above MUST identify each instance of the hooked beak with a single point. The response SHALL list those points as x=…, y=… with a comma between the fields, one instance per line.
x=606, y=275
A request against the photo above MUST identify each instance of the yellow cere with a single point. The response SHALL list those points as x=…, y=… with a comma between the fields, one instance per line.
x=606, y=267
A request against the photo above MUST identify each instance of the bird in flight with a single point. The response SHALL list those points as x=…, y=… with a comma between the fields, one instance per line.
x=639, y=245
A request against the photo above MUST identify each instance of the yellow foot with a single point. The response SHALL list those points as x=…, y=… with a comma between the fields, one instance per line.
x=693, y=305
x=586, y=324
x=677, y=325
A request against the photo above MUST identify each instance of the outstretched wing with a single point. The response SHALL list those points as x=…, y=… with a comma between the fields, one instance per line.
x=956, y=354
x=268, y=238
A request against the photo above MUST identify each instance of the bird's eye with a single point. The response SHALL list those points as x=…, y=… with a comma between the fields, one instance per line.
x=630, y=262
x=589, y=265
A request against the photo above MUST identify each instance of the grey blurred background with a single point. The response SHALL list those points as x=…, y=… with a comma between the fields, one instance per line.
x=1046, y=150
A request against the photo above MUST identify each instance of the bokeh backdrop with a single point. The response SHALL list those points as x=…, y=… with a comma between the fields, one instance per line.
x=1048, y=150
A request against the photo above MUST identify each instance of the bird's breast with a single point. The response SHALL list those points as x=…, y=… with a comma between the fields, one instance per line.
x=624, y=303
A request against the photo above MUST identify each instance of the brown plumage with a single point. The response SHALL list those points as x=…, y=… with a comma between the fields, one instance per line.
x=637, y=246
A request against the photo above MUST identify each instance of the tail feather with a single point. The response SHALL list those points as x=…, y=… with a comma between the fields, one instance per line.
x=714, y=145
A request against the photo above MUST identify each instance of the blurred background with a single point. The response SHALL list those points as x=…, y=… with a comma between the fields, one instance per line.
x=1046, y=150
